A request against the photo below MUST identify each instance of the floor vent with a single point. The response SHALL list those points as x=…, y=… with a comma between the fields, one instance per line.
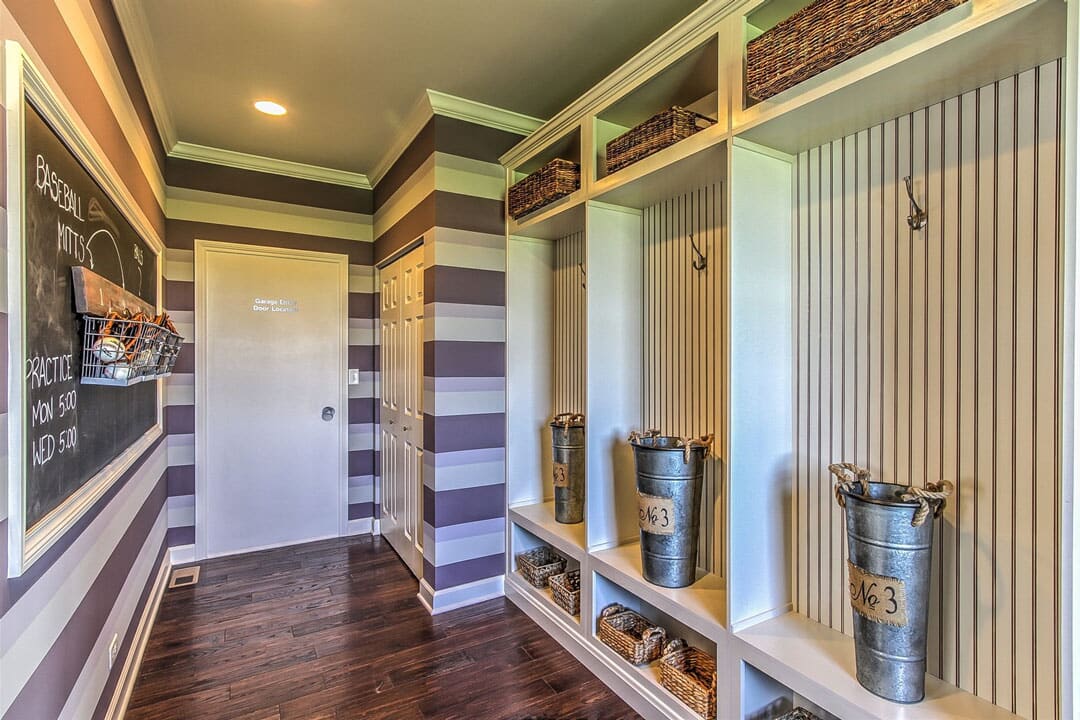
x=184, y=577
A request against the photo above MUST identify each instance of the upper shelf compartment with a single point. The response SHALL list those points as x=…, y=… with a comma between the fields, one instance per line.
x=556, y=218
x=690, y=82
x=967, y=47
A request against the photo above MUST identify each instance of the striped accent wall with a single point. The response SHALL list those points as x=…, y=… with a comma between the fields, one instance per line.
x=247, y=219
x=104, y=575
x=936, y=355
x=447, y=188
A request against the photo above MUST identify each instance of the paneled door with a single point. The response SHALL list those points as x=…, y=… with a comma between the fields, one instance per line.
x=270, y=378
x=402, y=414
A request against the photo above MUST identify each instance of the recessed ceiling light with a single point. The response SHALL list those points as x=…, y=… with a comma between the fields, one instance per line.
x=270, y=107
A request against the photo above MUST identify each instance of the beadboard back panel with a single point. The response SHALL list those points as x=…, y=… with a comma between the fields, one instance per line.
x=682, y=336
x=936, y=355
x=568, y=368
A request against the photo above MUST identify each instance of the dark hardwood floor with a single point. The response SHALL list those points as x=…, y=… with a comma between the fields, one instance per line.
x=333, y=631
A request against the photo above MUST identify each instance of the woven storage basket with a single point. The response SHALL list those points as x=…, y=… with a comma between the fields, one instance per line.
x=539, y=564
x=826, y=33
x=655, y=134
x=630, y=634
x=799, y=714
x=566, y=591
x=690, y=675
x=554, y=180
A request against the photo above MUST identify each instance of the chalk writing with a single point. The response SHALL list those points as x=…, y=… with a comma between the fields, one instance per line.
x=43, y=371
x=51, y=185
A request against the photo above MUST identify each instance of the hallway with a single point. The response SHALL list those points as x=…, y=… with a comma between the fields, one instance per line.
x=333, y=630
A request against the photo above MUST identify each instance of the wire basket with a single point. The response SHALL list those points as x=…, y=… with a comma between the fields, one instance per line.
x=539, y=564
x=566, y=591
x=690, y=675
x=123, y=351
x=631, y=635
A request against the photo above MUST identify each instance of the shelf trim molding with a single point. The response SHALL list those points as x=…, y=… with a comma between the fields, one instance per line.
x=639, y=69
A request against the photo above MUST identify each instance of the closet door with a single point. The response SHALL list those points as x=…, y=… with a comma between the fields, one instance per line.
x=402, y=414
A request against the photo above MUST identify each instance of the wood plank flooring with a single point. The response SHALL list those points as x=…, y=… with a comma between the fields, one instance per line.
x=333, y=630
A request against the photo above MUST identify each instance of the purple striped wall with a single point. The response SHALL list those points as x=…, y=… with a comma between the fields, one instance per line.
x=455, y=442
x=55, y=661
x=180, y=302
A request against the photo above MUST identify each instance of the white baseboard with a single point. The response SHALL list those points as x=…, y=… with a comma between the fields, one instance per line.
x=182, y=554
x=440, y=601
x=360, y=526
x=130, y=673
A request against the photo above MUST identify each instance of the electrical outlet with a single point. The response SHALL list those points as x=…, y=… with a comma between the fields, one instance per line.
x=114, y=649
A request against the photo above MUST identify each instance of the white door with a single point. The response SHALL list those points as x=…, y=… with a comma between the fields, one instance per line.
x=401, y=416
x=270, y=377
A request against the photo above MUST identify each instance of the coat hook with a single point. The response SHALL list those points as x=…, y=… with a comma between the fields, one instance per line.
x=917, y=219
x=701, y=262
x=581, y=267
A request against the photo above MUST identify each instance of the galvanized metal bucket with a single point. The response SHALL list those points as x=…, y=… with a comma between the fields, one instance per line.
x=568, y=467
x=670, y=474
x=889, y=558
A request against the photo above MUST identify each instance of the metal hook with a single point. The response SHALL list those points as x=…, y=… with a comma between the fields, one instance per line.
x=581, y=267
x=701, y=262
x=917, y=219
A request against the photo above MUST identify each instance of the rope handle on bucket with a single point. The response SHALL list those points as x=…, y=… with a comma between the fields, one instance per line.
x=568, y=419
x=933, y=491
x=687, y=444
x=847, y=474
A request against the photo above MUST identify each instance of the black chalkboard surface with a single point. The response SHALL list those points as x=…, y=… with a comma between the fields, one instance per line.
x=72, y=430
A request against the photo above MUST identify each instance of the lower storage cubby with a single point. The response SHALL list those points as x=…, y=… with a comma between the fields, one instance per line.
x=764, y=698
x=523, y=541
x=647, y=677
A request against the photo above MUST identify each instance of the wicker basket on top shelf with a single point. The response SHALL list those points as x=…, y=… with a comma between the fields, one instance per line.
x=826, y=33
x=632, y=636
x=690, y=675
x=658, y=132
x=554, y=180
x=539, y=564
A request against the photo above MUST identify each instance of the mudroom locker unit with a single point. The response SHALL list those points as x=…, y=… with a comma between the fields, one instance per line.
x=760, y=281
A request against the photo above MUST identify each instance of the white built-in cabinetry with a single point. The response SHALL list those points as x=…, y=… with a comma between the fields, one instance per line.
x=606, y=316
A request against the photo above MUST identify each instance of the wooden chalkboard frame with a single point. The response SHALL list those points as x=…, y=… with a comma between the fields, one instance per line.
x=23, y=83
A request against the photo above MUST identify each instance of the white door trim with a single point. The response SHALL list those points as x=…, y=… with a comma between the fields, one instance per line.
x=202, y=249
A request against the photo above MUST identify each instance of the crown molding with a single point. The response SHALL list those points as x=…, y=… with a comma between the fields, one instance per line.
x=481, y=114
x=136, y=30
x=258, y=163
x=683, y=36
x=433, y=102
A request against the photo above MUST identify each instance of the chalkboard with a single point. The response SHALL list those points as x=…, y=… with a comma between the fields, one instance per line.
x=72, y=430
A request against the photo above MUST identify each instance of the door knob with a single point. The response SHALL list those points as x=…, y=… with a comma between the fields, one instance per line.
x=328, y=413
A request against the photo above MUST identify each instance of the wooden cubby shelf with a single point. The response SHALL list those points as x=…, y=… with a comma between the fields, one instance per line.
x=819, y=664
x=702, y=606
x=611, y=312
x=965, y=48
x=539, y=519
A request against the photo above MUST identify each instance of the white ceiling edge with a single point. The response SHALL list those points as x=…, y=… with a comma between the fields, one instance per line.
x=136, y=30
x=433, y=102
x=259, y=163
